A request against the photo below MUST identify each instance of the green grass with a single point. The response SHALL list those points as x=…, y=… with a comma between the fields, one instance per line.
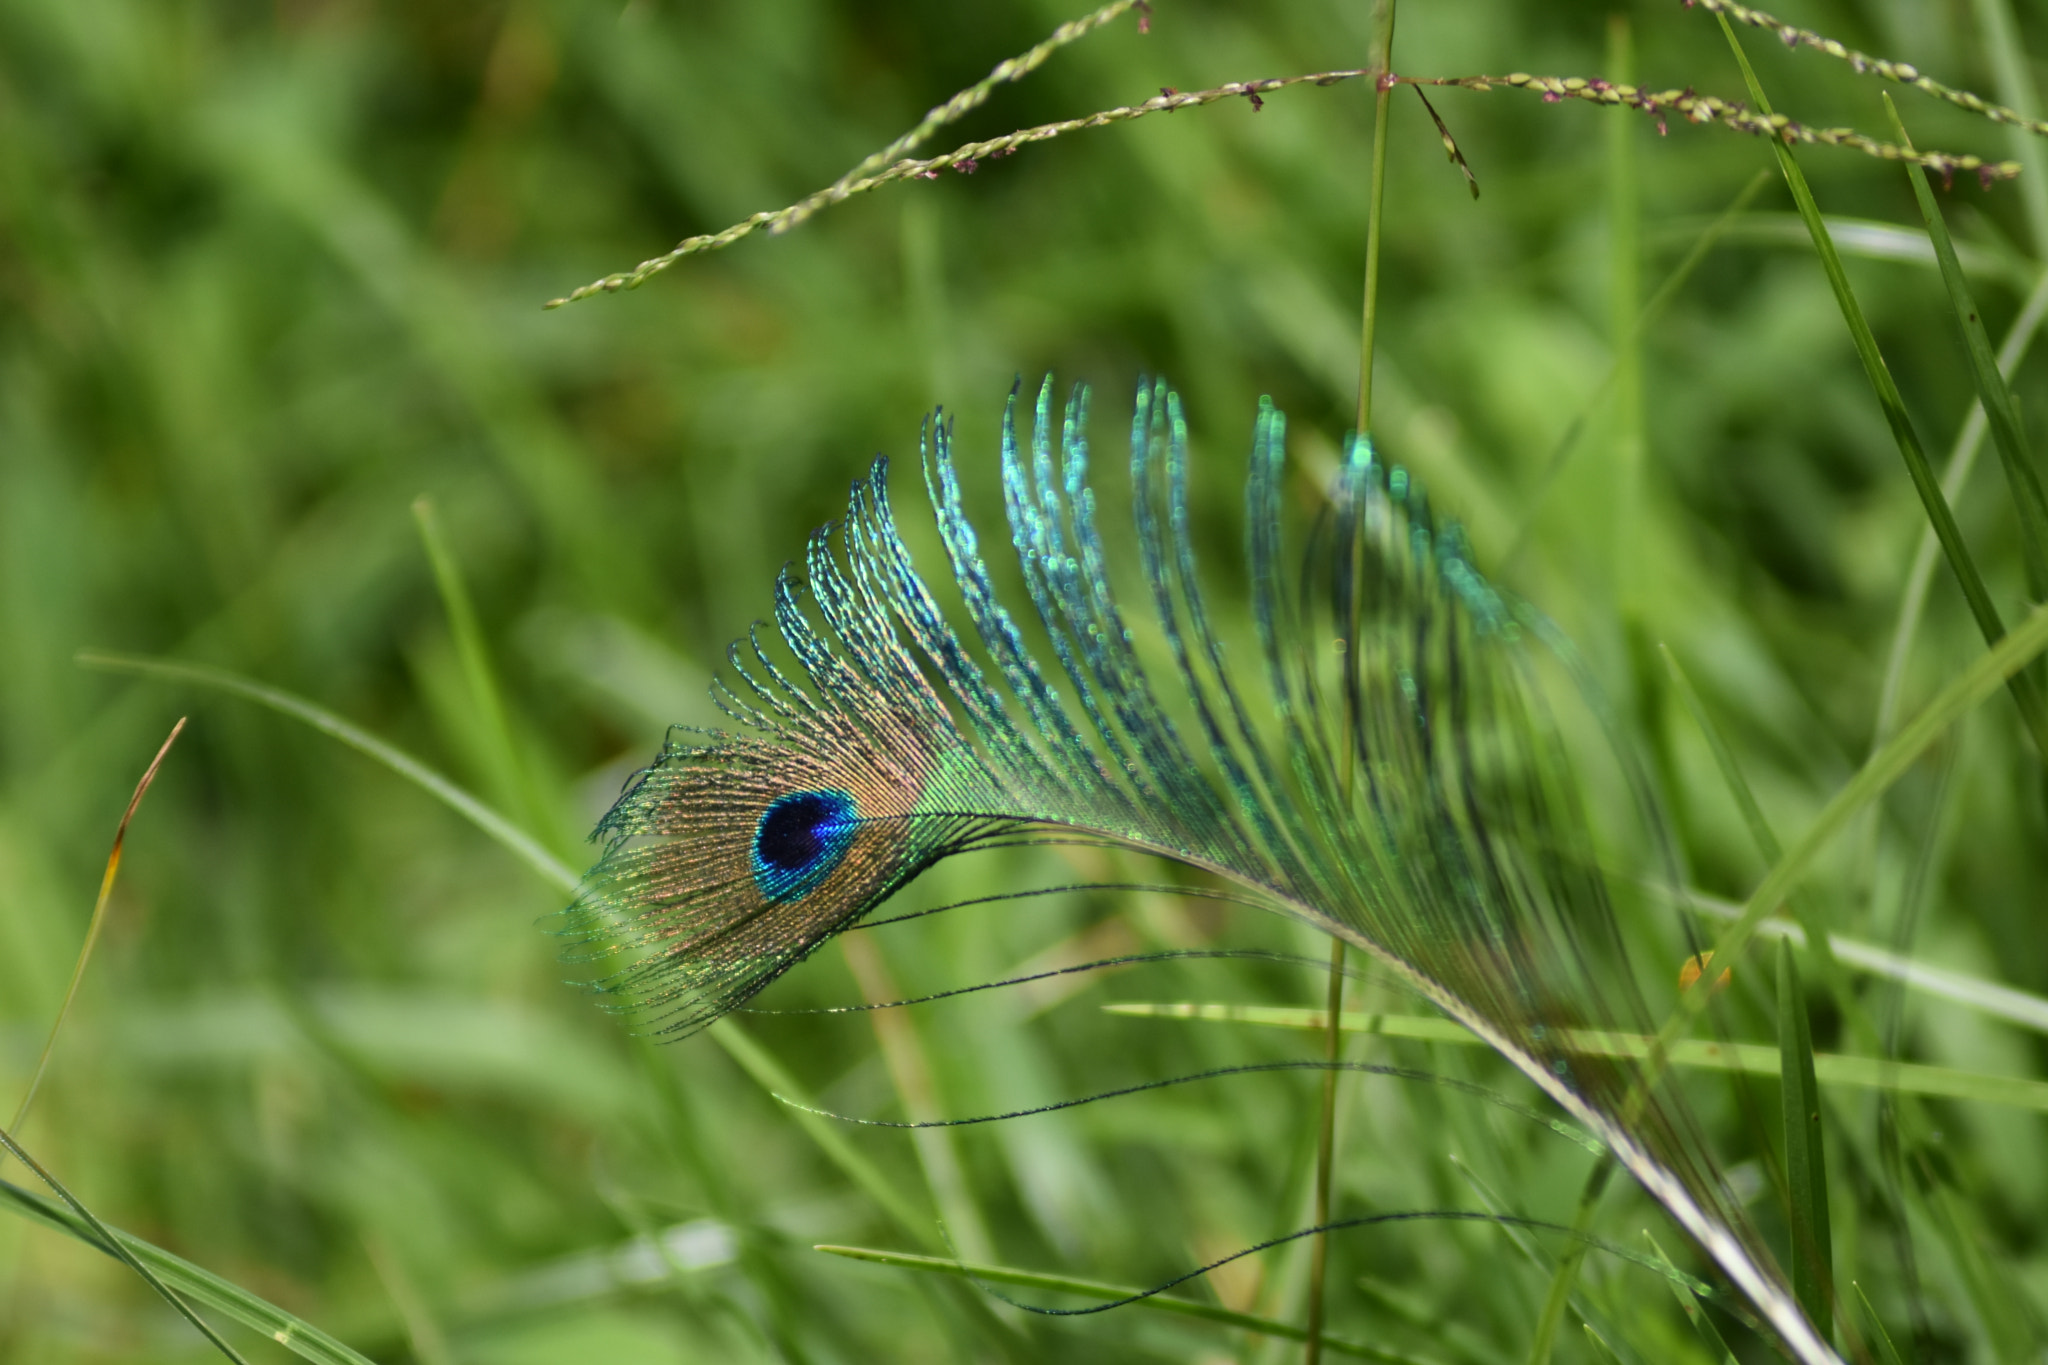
x=274, y=281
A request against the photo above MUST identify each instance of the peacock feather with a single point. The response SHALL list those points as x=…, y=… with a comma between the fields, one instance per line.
x=1381, y=766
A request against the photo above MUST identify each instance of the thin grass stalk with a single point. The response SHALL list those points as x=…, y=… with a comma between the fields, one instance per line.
x=1333, y=1037
x=512, y=776
x=1561, y=453
x=119, y=1249
x=2007, y=57
x=1903, y=73
x=2033, y=709
x=1624, y=305
x=2001, y=411
x=92, y=928
x=910, y=1073
x=1751, y=1059
x=1955, y=477
x=517, y=840
x=1965, y=691
x=295, y=1334
x=1622, y=576
x=1806, y=1172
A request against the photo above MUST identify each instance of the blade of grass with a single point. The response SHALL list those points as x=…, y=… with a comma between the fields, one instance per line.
x=1966, y=690
x=510, y=774
x=1887, y=1353
x=1601, y=1349
x=1955, y=476
x=1989, y=997
x=93, y=926
x=2001, y=412
x=1756, y=1059
x=910, y=1073
x=516, y=840
x=1806, y=1173
x=1874, y=240
x=1558, y=1297
x=1326, y=1155
x=1560, y=454
x=113, y=1246
x=1326, y=1118
x=1096, y=1289
x=2007, y=58
x=2033, y=709
x=771, y=1076
x=1817, y=938
x=1689, y=1304
x=295, y=1334
x=1625, y=286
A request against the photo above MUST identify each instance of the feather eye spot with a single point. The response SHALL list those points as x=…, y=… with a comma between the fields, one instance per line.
x=800, y=839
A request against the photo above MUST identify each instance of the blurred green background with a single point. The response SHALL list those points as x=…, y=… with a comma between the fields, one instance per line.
x=270, y=273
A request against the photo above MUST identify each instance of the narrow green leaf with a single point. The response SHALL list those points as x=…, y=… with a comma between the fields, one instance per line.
x=1873, y=240
x=2024, y=1008
x=1998, y=37
x=508, y=769
x=1601, y=1349
x=1096, y=1289
x=1898, y=753
x=770, y=1075
x=1561, y=453
x=1806, y=1172
x=2033, y=708
x=1689, y=1304
x=1887, y=1353
x=521, y=844
x=101, y=1236
x=2001, y=412
x=295, y=1334
x=1817, y=937
x=1755, y=1059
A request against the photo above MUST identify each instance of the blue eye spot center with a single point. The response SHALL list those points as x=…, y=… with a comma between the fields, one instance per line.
x=800, y=839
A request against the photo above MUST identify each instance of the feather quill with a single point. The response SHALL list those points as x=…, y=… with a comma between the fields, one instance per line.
x=1399, y=786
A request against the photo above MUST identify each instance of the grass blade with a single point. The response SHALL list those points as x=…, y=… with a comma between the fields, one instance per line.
x=1561, y=452
x=1097, y=1289
x=102, y=1237
x=910, y=1074
x=516, y=840
x=1689, y=1304
x=1888, y=1354
x=296, y=1335
x=510, y=774
x=1755, y=1059
x=2033, y=710
x=1978, y=681
x=771, y=1076
x=1998, y=36
x=2000, y=410
x=93, y=926
x=1806, y=1173
x=1817, y=937
x=1954, y=477
x=2024, y=1008
x=1375, y=220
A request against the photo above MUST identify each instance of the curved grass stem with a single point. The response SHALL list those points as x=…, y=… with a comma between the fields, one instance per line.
x=93, y=926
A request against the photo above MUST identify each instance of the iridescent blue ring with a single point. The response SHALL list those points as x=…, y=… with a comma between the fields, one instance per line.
x=800, y=839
